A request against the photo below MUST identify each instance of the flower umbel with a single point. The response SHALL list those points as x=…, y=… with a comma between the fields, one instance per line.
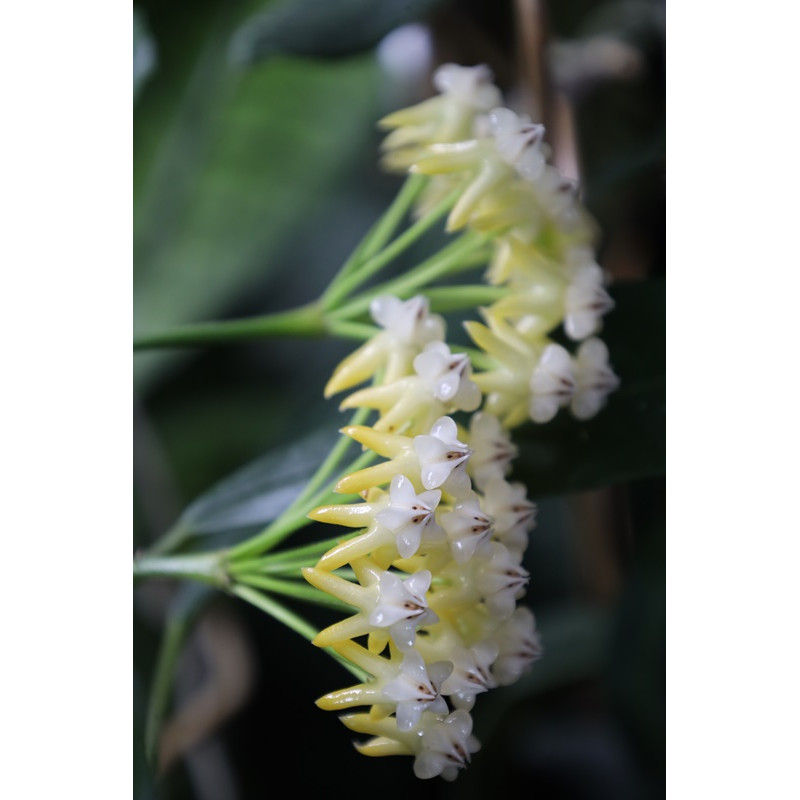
x=439, y=557
x=427, y=569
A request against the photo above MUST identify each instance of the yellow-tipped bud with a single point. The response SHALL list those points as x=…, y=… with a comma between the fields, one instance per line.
x=380, y=475
x=380, y=397
x=418, y=114
x=489, y=341
x=388, y=445
x=381, y=746
x=345, y=591
x=353, y=515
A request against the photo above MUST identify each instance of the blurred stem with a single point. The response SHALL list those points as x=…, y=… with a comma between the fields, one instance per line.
x=456, y=298
x=291, y=620
x=464, y=253
x=335, y=294
x=326, y=317
x=203, y=567
x=286, y=569
x=382, y=231
x=345, y=329
x=306, y=320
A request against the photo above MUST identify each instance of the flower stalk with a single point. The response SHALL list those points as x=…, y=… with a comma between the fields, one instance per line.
x=305, y=321
x=202, y=567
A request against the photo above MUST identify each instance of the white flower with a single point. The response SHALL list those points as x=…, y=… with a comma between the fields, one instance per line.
x=501, y=580
x=388, y=606
x=585, y=302
x=552, y=383
x=519, y=142
x=446, y=746
x=594, y=379
x=409, y=515
x=471, y=673
x=559, y=196
x=442, y=458
x=467, y=527
x=447, y=375
x=492, y=449
x=417, y=688
x=402, y=684
x=470, y=86
x=407, y=328
x=401, y=606
x=446, y=117
x=407, y=321
x=514, y=515
x=519, y=646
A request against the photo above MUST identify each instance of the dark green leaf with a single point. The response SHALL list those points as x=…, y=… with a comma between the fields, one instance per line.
x=323, y=28
x=626, y=440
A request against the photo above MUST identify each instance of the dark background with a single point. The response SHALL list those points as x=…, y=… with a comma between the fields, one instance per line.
x=252, y=180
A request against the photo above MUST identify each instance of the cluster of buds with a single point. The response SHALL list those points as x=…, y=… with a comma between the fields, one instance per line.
x=543, y=243
x=434, y=571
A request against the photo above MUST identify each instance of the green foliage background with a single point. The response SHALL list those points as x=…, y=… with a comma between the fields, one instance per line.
x=255, y=173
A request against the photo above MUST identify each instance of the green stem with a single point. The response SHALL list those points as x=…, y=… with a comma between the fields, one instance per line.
x=288, y=569
x=382, y=230
x=329, y=464
x=295, y=589
x=345, y=329
x=291, y=556
x=293, y=518
x=456, y=256
x=202, y=567
x=351, y=282
x=306, y=320
x=291, y=620
x=456, y=298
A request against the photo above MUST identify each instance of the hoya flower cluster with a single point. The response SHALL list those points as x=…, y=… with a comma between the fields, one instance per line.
x=543, y=244
x=434, y=570
x=437, y=558
x=432, y=567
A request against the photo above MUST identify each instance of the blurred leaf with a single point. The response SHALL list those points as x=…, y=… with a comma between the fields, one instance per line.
x=144, y=52
x=244, y=160
x=575, y=643
x=638, y=658
x=323, y=28
x=144, y=786
x=256, y=494
x=626, y=440
x=189, y=600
